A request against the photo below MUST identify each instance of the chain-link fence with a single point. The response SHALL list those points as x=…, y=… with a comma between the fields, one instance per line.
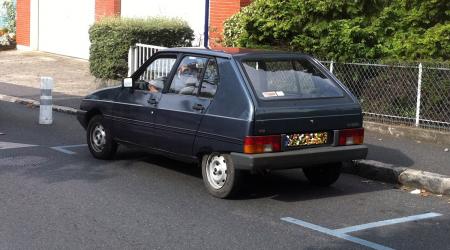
x=399, y=93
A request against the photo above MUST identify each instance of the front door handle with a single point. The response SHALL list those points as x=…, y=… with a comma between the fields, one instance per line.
x=198, y=106
x=152, y=101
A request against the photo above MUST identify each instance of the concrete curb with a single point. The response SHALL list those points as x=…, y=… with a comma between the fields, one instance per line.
x=35, y=103
x=374, y=170
x=435, y=183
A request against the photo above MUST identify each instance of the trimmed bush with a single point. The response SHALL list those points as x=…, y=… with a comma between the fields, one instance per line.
x=112, y=37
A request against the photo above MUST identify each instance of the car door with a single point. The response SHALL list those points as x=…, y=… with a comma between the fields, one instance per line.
x=183, y=104
x=135, y=108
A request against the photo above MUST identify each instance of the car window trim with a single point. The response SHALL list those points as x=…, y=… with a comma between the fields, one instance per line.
x=153, y=58
x=181, y=56
x=203, y=79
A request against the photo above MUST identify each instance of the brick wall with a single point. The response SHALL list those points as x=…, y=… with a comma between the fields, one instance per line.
x=23, y=22
x=221, y=10
x=106, y=8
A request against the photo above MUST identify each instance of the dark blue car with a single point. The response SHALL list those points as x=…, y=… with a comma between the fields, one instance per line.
x=230, y=112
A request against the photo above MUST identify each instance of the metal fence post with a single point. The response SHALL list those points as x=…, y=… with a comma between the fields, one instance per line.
x=136, y=58
x=419, y=87
x=130, y=60
x=331, y=66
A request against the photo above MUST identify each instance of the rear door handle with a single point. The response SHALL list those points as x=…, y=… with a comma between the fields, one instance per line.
x=152, y=101
x=198, y=107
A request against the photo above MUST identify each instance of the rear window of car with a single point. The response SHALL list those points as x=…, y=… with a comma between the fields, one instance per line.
x=289, y=78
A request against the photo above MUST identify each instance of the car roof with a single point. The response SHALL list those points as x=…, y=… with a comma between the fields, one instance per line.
x=228, y=52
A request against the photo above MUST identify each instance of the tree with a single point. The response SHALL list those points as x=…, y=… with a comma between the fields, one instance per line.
x=10, y=6
x=345, y=30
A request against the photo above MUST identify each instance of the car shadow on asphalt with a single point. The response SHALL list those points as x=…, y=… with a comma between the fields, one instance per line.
x=292, y=186
x=190, y=169
x=286, y=185
x=389, y=155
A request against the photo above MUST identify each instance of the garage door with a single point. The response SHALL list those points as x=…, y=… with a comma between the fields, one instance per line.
x=64, y=26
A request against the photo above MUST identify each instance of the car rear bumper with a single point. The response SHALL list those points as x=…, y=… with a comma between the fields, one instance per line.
x=298, y=158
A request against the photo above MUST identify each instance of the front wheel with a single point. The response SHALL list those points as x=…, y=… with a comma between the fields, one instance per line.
x=99, y=139
x=323, y=175
x=220, y=177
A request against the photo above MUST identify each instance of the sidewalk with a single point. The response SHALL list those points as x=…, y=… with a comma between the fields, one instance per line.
x=405, y=152
x=23, y=68
x=20, y=72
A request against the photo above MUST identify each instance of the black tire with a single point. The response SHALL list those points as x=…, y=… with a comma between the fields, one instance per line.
x=230, y=185
x=108, y=148
x=323, y=175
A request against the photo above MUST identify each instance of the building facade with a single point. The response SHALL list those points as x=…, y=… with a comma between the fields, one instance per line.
x=61, y=27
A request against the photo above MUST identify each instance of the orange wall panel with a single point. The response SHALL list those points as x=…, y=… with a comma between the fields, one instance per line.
x=221, y=10
x=23, y=22
x=106, y=8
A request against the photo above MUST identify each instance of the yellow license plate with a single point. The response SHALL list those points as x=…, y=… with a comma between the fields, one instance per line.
x=306, y=139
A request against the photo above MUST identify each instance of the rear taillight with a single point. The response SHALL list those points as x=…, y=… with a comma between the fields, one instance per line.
x=262, y=144
x=351, y=136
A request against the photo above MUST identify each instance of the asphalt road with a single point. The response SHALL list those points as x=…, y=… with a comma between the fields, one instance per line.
x=54, y=200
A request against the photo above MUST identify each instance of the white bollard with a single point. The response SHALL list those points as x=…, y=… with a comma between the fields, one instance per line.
x=46, y=103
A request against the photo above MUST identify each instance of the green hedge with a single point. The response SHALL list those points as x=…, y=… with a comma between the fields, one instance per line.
x=346, y=30
x=112, y=37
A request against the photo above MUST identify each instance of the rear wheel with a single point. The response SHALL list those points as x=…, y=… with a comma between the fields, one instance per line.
x=220, y=177
x=323, y=175
x=99, y=139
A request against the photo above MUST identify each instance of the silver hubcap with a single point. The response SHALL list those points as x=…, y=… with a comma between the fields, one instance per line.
x=216, y=171
x=98, y=138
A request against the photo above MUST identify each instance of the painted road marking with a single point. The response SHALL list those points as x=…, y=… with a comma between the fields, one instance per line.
x=11, y=145
x=342, y=233
x=387, y=222
x=63, y=149
x=336, y=234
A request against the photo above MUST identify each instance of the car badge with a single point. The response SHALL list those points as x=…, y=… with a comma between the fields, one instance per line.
x=312, y=121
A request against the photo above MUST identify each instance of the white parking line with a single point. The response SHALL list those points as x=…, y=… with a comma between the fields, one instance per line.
x=11, y=145
x=387, y=222
x=342, y=233
x=63, y=149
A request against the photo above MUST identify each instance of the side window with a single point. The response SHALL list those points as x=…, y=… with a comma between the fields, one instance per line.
x=210, y=80
x=155, y=76
x=187, y=78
